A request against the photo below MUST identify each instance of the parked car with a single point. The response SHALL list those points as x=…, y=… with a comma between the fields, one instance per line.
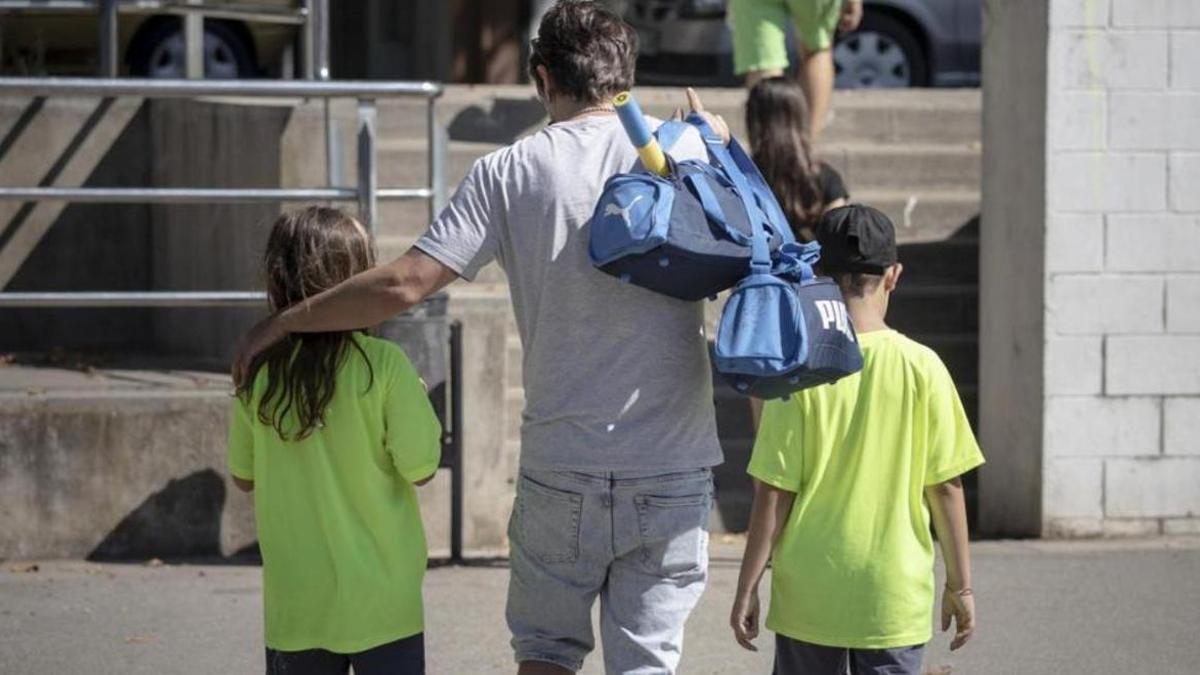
x=901, y=43
x=46, y=40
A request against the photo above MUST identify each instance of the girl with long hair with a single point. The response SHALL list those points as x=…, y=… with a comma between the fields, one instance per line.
x=778, y=122
x=332, y=431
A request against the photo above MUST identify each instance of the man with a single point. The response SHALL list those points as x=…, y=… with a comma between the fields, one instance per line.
x=760, y=49
x=619, y=431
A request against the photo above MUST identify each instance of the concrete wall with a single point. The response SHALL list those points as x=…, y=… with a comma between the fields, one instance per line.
x=1119, y=236
x=1011, y=264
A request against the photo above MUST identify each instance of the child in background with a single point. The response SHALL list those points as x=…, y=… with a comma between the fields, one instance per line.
x=332, y=431
x=779, y=126
x=847, y=479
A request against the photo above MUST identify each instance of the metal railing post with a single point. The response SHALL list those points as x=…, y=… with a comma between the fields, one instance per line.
x=368, y=179
x=437, y=162
x=455, y=448
x=320, y=18
x=109, y=63
x=193, y=43
x=309, y=37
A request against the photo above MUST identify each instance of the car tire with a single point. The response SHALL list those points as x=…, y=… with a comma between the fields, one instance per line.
x=157, y=50
x=883, y=52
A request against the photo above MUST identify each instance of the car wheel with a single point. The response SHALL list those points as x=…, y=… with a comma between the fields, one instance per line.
x=158, y=51
x=882, y=53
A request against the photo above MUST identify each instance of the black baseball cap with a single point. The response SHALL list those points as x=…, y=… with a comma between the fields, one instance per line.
x=856, y=238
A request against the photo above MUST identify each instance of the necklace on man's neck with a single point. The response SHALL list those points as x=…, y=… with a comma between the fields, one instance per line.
x=590, y=110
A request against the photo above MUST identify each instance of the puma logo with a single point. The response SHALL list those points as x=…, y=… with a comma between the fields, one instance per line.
x=614, y=210
x=833, y=314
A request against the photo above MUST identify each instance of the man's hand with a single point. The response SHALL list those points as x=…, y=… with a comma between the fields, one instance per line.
x=715, y=121
x=962, y=608
x=260, y=338
x=852, y=13
x=744, y=620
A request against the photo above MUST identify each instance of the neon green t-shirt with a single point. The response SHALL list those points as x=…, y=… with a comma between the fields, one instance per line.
x=853, y=566
x=338, y=522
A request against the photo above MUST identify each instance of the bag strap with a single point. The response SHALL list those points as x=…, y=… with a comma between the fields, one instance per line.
x=712, y=208
x=763, y=192
x=760, y=249
x=668, y=133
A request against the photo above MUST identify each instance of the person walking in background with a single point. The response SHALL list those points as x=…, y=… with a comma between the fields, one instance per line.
x=847, y=478
x=760, y=43
x=331, y=431
x=778, y=122
x=619, y=432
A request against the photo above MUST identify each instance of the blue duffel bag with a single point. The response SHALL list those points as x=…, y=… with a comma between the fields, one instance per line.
x=687, y=235
x=784, y=329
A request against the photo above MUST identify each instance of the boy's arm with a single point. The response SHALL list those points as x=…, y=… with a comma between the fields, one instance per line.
x=949, y=511
x=366, y=299
x=768, y=515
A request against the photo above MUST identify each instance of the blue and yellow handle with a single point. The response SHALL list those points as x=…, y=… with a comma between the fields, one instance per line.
x=639, y=134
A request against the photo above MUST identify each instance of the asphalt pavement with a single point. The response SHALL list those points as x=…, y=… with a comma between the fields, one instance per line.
x=1115, y=607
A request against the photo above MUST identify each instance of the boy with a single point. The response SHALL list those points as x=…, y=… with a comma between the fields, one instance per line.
x=847, y=478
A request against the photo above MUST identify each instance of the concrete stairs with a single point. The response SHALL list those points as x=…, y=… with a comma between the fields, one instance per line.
x=913, y=154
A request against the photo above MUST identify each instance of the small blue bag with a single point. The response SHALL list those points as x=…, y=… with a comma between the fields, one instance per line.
x=686, y=235
x=783, y=329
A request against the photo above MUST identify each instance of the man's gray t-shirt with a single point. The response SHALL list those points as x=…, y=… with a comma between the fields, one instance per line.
x=616, y=377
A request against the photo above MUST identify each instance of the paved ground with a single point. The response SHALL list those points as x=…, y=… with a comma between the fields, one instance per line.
x=1090, y=607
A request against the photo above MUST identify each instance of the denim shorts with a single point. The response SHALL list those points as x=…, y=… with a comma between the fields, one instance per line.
x=405, y=656
x=795, y=657
x=636, y=541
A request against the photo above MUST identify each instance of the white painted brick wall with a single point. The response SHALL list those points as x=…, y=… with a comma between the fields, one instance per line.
x=1139, y=13
x=1184, y=170
x=1074, y=365
x=1092, y=426
x=1075, y=242
x=1079, y=14
x=1087, y=59
x=1121, y=353
x=1183, y=304
x=1184, y=52
x=1153, y=13
x=1077, y=120
x=1074, y=488
x=1139, y=488
x=1181, y=427
x=1112, y=182
x=1131, y=527
x=1152, y=365
x=1090, y=304
x=1154, y=121
x=1181, y=526
x=1153, y=243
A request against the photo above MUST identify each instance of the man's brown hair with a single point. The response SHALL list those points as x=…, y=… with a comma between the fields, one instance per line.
x=589, y=51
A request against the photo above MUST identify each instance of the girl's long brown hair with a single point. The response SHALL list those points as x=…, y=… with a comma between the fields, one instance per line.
x=309, y=251
x=778, y=124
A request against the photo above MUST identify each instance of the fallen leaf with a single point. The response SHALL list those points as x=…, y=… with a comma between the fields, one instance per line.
x=139, y=639
x=24, y=568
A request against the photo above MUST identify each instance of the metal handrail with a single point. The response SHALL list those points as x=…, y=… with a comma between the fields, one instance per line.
x=367, y=191
x=154, y=88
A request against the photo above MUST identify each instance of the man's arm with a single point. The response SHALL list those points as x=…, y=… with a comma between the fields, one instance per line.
x=949, y=511
x=767, y=517
x=363, y=300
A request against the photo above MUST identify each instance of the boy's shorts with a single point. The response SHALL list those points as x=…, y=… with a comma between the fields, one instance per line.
x=760, y=30
x=795, y=657
x=406, y=655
